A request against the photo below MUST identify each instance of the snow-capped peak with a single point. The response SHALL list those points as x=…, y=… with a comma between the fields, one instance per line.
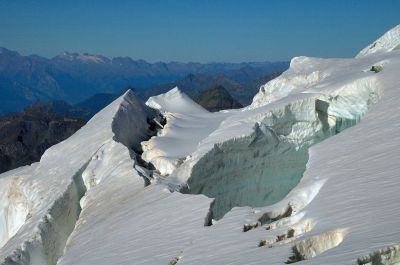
x=174, y=101
x=84, y=57
x=387, y=42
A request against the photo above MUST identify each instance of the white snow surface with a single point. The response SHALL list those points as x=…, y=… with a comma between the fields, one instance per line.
x=175, y=101
x=187, y=124
x=85, y=57
x=330, y=201
x=40, y=203
x=388, y=42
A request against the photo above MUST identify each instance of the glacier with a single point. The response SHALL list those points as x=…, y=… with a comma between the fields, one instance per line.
x=257, y=155
x=306, y=173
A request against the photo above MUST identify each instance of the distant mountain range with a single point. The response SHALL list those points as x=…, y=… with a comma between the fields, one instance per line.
x=75, y=77
x=64, y=92
x=84, y=110
x=25, y=136
x=195, y=85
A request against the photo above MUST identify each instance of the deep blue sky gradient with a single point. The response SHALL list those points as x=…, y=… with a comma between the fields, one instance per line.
x=196, y=30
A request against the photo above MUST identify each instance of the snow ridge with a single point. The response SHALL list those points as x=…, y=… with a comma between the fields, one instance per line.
x=281, y=194
x=390, y=41
x=278, y=148
x=52, y=191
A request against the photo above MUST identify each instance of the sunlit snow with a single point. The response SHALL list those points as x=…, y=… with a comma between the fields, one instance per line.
x=308, y=172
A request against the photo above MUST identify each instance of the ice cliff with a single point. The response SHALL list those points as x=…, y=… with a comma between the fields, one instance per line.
x=41, y=203
x=308, y=172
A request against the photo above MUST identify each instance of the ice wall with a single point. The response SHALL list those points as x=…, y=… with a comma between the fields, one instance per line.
x=261, y=169
x=41, y=203
x=343, y=211
x=14, y=208
x=187, y=123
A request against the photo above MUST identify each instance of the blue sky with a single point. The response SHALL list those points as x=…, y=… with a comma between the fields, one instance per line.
x=196, y=30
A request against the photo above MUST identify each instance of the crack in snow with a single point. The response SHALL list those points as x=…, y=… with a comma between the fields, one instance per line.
x=262, y=168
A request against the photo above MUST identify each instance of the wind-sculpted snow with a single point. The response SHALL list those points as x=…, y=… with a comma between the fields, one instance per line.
x=300, y=76
x=313, y=100
x=175, y=101
x=40, y=203
x=388, y=42
x=187, y=123
x=343, y=211
x=287, y=178
x=257, y=155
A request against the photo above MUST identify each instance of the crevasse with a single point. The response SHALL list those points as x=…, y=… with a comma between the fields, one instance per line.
x=260, y=169
x=28, y=208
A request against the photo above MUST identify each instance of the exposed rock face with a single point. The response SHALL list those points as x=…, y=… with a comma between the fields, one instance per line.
x=24, y=137
x=217, y=98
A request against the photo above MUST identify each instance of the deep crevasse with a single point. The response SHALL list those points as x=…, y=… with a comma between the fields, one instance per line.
x=344, y=209
x=259, y=165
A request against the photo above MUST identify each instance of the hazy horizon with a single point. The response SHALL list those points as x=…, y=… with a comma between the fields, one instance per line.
x=196, y=31
x=140, y=59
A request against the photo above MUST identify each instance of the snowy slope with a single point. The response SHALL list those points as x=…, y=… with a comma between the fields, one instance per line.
x=388, y=42
x=40, y=203
x=308, y=171
x=187, y=124
x=256, y=155
x=344, y=209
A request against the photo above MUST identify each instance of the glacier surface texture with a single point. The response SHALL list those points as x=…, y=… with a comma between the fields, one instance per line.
x=309, y=172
